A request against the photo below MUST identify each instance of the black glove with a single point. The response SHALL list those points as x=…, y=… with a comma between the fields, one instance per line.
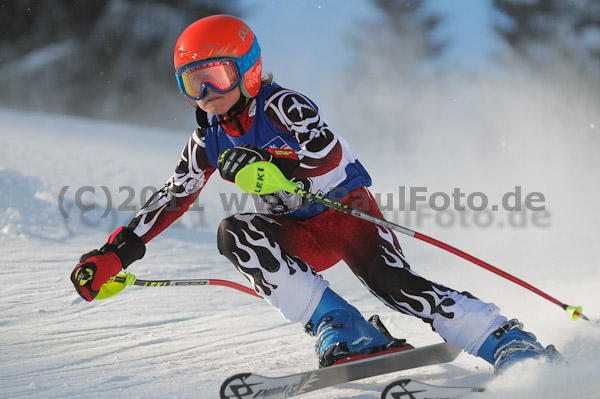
x=96, y=267
x=232, y=160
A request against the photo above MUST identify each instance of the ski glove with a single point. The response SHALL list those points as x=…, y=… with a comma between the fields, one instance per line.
x=232, y=160
x=96, y=267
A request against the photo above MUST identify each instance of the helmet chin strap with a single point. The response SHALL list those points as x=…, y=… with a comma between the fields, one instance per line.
x=202, y=118
x=236, y=108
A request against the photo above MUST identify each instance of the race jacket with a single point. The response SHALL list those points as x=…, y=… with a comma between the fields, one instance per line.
x=276, y=118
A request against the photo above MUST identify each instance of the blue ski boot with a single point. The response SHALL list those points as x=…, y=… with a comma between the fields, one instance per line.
x=343, y=333
x=509, y=344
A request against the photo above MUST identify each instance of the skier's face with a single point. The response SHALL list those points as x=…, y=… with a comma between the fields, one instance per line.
x=218, y=104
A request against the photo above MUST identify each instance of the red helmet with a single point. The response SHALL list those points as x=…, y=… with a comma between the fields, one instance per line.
x=222, y=36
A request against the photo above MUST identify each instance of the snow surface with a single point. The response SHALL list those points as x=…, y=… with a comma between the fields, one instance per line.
x=182, y=342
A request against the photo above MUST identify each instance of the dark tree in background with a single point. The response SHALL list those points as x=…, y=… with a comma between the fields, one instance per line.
x=556, y=50
x=395, y=54
x=109, y=59
x=409, y=20
x=405, y=28
x=550, y=33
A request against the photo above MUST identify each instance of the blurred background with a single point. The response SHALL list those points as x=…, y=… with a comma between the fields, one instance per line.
x=112, y=59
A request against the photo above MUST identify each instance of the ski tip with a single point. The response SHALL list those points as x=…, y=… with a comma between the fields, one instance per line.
x=236, y=387
x=417, y=390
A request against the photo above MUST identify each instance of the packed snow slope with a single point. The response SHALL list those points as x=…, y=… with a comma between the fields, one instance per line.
x=67, y=183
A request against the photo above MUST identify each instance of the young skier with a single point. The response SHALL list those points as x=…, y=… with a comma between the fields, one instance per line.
x=281, y=249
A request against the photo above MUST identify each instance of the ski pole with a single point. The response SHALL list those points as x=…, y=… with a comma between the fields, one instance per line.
x=266, y=178
x=120, y=281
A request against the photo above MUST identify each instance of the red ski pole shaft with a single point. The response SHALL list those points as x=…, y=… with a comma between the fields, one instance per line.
x=167, y=283
x=486, y=266
x=574, y=311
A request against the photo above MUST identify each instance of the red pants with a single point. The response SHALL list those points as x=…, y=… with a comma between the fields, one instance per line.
x=332, y=236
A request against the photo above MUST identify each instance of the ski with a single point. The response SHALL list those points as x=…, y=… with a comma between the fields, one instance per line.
x=248, y=385
x=407, y=388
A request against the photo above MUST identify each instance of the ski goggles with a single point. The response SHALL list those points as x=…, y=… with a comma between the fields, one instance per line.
x=221, y=75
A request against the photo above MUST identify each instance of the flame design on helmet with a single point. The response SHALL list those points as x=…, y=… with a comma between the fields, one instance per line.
x=222, y=36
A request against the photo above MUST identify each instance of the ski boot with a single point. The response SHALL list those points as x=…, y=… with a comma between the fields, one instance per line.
x=509, y=344
x=344, y=335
